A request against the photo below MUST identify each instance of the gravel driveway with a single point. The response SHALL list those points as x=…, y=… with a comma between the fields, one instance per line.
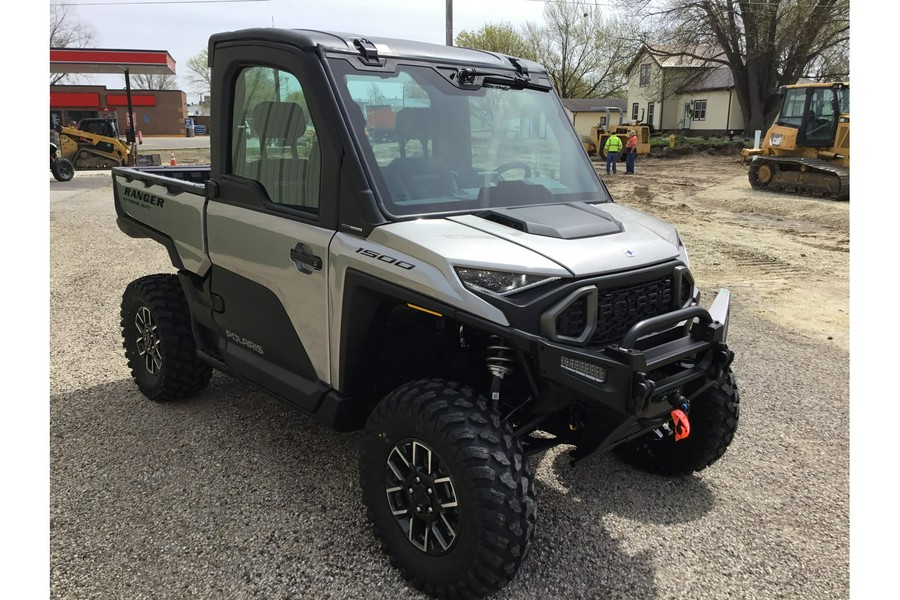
x=232, y=495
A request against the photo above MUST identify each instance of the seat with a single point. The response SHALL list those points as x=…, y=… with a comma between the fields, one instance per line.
x=283, y=177
x=414, y=123
x=420, y=177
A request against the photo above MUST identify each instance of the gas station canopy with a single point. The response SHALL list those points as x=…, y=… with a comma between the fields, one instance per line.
x=101, y=60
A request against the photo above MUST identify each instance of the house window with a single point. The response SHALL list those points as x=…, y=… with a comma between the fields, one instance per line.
x=651, y=107
x=634, y=111
x=645, y=75
x=699, y=110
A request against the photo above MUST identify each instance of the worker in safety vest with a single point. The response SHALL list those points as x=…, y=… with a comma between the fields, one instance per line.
x=631, y=149
x=612, y=147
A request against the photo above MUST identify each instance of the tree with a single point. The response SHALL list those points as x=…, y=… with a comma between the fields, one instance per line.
x=160, y=81
x=67, y=31
x=199, y=75
x=585, y=51
x=765, y=43
x=376, y=96
x=501, y=38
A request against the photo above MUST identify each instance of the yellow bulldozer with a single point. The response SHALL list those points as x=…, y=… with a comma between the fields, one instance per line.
x=600, y=133
x=94, y=144
x=807, y=149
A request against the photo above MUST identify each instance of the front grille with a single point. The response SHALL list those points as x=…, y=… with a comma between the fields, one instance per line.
x=572, y=321
x=618, y=307
x=618, y=310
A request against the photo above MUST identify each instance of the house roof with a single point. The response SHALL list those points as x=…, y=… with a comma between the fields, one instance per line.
x=579, y=105
x=670, y=56
x=718, y=78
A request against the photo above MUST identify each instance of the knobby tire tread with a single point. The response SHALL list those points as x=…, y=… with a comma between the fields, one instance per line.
x=183, y=373
x=714, y=418
x=492, y=459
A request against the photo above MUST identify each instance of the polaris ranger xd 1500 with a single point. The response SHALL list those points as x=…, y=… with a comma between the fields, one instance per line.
x=465, y=291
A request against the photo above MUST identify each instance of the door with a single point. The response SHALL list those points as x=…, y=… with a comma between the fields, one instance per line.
x=270, y=227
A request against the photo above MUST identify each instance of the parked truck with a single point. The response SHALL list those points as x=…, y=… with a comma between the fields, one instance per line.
x=465, y=299
x=382, y=122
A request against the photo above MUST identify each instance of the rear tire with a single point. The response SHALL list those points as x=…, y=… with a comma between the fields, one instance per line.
x=159, y=345
x=714, y=419
x=447, y=489
x=62, y=169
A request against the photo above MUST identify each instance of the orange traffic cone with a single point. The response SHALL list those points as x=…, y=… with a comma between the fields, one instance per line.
x=172, y=162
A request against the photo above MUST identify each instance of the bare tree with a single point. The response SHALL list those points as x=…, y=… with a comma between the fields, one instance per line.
x=765, y=43
x=67, y=31
x=584, y=50
x=199, y=75
x=154, y=81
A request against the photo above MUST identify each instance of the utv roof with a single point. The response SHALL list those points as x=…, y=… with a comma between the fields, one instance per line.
x=351, y=43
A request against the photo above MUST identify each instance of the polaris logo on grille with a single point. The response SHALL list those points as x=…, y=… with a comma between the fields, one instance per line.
x=626, y=307
x=629, y=253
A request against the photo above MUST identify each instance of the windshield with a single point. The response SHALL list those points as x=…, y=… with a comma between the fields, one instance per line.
x=434, y=147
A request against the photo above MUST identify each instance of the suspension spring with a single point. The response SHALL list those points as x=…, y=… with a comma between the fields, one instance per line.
x=499, y=357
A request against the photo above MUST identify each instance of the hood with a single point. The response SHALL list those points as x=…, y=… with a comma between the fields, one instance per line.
x=585, y=239
x=563, y=240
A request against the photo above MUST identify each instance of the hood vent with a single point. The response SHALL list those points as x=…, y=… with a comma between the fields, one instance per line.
x=564, y=221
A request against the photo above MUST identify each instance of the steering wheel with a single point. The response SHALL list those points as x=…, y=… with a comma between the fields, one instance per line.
x=515, y=164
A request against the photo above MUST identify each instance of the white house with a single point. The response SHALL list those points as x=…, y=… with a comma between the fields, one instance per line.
x=683, y=93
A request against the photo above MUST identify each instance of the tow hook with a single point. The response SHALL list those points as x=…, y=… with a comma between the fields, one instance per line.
x=680, y=422
x=680, y=416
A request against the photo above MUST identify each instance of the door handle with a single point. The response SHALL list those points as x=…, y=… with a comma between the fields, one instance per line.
x=304, y=259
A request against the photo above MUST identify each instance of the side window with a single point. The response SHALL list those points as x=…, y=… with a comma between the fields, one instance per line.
x=274, y=139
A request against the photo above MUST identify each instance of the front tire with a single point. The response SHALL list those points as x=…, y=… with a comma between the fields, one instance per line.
x=447, y=489
x=62, y=169
x=159, y=345
x=714, y=419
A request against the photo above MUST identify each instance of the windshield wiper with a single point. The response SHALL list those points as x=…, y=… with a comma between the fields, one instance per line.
x=516, y=81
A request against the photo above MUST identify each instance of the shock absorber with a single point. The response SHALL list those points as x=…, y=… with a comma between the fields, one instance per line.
x=499, y=362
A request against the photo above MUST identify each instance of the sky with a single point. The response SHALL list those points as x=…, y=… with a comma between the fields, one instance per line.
x=183, y=27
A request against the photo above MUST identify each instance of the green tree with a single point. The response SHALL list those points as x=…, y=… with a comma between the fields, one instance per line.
x=199, y=75
x=765, y=43
x=501, y=38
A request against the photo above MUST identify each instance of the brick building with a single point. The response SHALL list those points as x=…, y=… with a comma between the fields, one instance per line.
x=156, y=112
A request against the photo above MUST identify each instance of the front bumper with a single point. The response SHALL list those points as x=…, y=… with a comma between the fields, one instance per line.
x=634, y=386
x=634, y=383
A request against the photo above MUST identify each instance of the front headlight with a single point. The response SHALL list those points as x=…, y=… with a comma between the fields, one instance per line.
x=500, y=283
x=682, y=252
x=775, y=139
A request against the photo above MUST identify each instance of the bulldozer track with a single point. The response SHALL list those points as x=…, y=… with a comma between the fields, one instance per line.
x=800, y=175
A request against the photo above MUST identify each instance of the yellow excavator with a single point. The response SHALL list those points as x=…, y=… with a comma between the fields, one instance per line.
x=807, y=149
x=94, y=144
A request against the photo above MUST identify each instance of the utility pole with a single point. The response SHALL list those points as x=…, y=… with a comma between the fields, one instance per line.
x=449, y=22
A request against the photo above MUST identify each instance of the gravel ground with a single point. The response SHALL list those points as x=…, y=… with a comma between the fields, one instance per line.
x=232, y=495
